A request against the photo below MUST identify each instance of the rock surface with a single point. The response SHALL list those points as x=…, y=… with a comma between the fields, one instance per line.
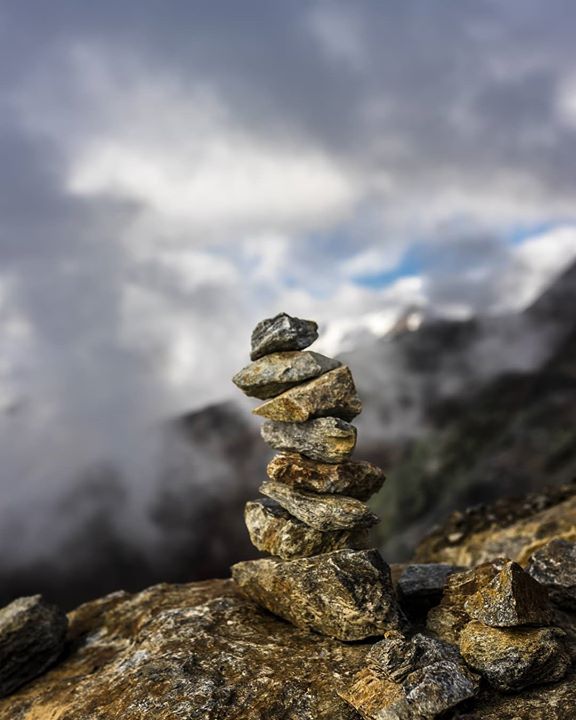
x=346, y=594
x=274, y=374
x=554, y=566
x=188, y=652
x=273, y=530
x=333, y=394
x=358, y=479
x=420, y=586
x=515, y=658
x=322, y=512
x=32, y=634
x=281, y=333
x=329, y=440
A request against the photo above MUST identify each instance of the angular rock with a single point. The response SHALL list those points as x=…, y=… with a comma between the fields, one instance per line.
x=331, y=394
x=420, y=586
x=507, y=596
x=346, y=594
x=322, y=512
x=449, y=617
x=272, y=529
x=554, y=566
x=417, y=678
x=282, y=333
x=32, y=635
x=358, y=479
x=515, y=658
x=273, y=374
x=328, y=440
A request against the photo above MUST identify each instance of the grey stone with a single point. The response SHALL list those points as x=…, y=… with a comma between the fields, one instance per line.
x=32, y=635
x=554, y=566
x=346, y=594
x=322, y=512
x=273, y=374
x=329, y=440
x=281, y=333
x=420, y=586
x=274, y=530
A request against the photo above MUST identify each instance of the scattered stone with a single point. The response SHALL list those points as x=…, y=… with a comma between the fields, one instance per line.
x=322, y=512
x=447, y=619
x=329, y=440
x=281, y=333
x=420, y=587
x=274, y=374
x=331, y=394
x=554, y=566
x=514, y=658
x=404, y=679
x=346, y=594
x=32, y=635
x=272, y=529
x=358, y=479
x=507, y=596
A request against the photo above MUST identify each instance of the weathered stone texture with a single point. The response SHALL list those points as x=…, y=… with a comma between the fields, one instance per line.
x=357, y=479
x=346, y=594
x=329, y=440
x=554, y=566
x=274, y=374
x=272, y=529
x=282, y=333
x=322, y=512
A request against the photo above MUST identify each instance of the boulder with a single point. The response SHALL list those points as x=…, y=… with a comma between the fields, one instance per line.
x=282, y=333
x=329, y=440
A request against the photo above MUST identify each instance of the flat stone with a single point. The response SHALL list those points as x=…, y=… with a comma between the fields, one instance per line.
x=515, y=658
x=32, y=635
x=329, y=440
x=281, y=333
x=507, y=596
x=322, y=512
x=331, y=394
x=554, y=566
x=420, y=586
x=417, y=678
x=346, y=594
x=273, y=374
x=358, y=479
x=274, y=530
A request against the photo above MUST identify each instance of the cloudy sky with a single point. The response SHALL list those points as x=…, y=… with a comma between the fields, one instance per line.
x=173, y=171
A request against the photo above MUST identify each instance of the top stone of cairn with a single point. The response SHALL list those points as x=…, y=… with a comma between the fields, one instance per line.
x=282, y=333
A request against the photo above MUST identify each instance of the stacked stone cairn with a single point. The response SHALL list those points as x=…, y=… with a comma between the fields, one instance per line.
x=313, y=518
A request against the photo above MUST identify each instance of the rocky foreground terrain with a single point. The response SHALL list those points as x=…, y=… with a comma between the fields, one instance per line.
x=201, y=650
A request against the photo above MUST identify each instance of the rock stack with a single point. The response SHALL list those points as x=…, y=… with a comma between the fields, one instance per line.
x=313, y=517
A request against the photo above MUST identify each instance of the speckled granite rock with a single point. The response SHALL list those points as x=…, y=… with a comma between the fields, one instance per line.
x=329, y=440
x=274, y=374
x=188, y=652
x=331, y=394
x=417, y=678
x=554, y=566
x=32, y=634
x=514, y=658
x=346, y=594
x=507, y=596
x=272, y=529
x=358, y=479
x=281, y=333
x=322, y=512
x=420, y=587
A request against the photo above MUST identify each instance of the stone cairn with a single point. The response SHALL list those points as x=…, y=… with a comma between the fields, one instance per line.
x=314, y=519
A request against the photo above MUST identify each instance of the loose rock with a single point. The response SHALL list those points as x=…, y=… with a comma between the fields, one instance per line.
x=273, y=374
x=329, y=440
x=358, y=479
x=514, y=658
x=346, y=594
x=322, y=512
x=272, y=529
x=331, y=394
x=281, y=333
x=554, y=566
x=420, y=587
x=32, y=635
